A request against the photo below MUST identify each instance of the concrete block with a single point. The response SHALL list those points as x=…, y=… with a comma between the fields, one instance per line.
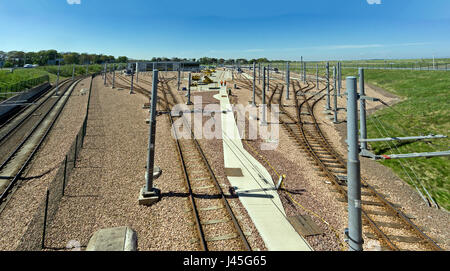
x=113, y=239
x=149, y=198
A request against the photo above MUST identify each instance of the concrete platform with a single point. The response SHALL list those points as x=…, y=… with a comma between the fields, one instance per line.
x=256, y=189
x=113, y=239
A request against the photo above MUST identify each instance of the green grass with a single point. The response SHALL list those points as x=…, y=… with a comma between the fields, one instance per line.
x=425, y=111
x=8, y=80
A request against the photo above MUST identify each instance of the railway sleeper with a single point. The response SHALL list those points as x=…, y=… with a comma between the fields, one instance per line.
x=398, y=238
x=333, y=165
x=386, y=224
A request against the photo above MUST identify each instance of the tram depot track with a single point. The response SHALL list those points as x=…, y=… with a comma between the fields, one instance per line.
x=381, y=216
x=216, y=225
x=22, y=136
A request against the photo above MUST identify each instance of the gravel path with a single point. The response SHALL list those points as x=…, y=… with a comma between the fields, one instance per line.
x=17, y=215
x=104, y=189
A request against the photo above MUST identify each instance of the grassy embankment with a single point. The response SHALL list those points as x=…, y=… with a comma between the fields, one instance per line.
x=9, y=80
x=425, y=110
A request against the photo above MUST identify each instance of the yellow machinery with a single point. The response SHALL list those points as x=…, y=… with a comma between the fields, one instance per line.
x=207, y=80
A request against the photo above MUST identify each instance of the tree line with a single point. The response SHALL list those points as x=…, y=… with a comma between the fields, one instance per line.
x=53, y=57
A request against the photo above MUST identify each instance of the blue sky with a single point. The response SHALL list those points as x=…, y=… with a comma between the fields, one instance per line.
x=317, y=30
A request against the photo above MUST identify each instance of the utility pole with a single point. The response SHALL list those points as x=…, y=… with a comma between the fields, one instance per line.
x=104, y=73
x=301, y=67
x=287, y=80
x=179, y=78
x=354, y=231
x=73, y=72
x=114, y=76
x=304, y=72
x=131, y=85
x=328, y=87
x=263, y=121
x=189, y=90
x=137, y=72
x=254, y=83
x=149, y=194
x=57, y=79
x=259, y=73
x=317, y=76
x=339, y=78
x=362, y=112
x=335, y=120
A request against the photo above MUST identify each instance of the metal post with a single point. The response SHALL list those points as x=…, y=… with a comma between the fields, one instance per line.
x=64, y=177
x=339, y=78
x=151, y=140
x=301, y=68
x=189, y=89
x=287, y=80
x=179, y=79
x=57, y=79
x=362, y=112
x=317, y=76
x=268, y=77
x=328, y=107
x=354, y=234
x=259, y=73
x=263, y=121
x=137, y=72
x=131, y=86
x=104, y=74
x=45, y=219
x=304, y=72
x=254, y=83
x=114, y=76
x=76, y=153
x=335, y=120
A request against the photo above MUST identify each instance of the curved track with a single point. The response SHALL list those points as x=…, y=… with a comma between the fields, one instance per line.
x=216, y=225
x=390, y=226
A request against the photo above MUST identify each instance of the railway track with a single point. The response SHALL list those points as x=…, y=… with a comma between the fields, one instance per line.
x=216, y=225
x=382, y=220
x=22, y=142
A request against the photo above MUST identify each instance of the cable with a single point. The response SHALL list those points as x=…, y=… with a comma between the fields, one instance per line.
x=341, y=245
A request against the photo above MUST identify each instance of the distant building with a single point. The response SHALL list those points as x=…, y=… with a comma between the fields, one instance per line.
x=165, y=66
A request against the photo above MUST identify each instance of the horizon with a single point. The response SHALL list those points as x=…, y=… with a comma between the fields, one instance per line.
x=318, y=31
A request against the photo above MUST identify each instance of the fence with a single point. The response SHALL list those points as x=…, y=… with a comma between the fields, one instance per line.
x=34, y=237
x=9, y=90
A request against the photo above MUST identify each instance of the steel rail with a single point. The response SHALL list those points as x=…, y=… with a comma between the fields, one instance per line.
x=6, y=195
x=203, y=241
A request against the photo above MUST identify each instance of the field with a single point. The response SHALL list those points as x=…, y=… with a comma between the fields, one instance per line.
x=425, y=111
x=22, y=79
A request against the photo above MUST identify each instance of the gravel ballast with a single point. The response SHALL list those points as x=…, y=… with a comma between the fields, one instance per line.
x=15, y=218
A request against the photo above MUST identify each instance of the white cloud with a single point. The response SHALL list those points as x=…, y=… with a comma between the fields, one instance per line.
x=371, y=2
x=74, y=2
